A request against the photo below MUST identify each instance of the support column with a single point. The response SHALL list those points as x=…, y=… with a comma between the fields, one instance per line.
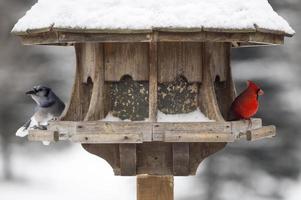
x=150, y=187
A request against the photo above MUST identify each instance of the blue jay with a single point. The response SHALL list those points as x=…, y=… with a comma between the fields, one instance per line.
x=49, y=107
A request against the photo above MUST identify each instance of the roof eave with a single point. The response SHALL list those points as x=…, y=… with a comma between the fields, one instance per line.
x=63, y=36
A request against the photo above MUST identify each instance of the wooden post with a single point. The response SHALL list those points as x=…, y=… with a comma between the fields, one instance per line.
x=151, y=187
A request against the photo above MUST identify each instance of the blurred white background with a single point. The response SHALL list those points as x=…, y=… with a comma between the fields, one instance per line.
x=261, y=170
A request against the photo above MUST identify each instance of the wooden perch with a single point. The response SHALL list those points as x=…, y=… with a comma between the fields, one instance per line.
x=43, y=135
x=138, y=132
x=260, y=133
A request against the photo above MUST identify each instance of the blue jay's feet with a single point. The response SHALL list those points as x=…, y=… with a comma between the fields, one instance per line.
x=41, y=127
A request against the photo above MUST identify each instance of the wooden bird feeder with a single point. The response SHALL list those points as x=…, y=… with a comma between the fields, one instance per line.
x=134, y=73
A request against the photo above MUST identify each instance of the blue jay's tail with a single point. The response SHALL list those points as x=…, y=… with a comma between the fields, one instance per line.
x=23, y=131
x=30, y=124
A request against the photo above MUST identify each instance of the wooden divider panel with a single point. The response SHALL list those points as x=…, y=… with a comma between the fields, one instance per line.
x=179, y=58
x=126, y=59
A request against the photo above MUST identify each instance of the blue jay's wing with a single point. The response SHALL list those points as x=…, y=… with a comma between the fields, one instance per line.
x=27, y=124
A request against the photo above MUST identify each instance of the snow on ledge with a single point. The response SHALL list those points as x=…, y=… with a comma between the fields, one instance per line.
x=195, y=116
x=149, y=14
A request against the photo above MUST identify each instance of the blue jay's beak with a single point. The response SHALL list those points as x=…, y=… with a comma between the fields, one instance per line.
x=30, y=92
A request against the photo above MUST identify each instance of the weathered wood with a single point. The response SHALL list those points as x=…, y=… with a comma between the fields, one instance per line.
x=108, y=152
x=128, y=159
x=180, y=136
x=180, y=159
x=93, y=62
x=154, y=158
x=199, y=151
x=254, y=29
x=81, y=92
x=126, y=59
x=106, y=138
x=43, y=135
x=260, y=133
x=179, y=59
x=153, y=80
x=88, y=69
x=240, y=128
x=159, y=129
x=207, y=97
x=100, y=127
x=222, y=76
x=137, y=132
x=218, y=58
x=63, y=37
x=155, y=187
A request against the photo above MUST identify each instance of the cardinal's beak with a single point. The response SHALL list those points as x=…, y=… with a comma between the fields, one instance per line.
x=260, y=92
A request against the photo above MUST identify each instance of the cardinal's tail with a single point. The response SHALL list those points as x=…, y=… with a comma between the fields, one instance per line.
x=232, y=116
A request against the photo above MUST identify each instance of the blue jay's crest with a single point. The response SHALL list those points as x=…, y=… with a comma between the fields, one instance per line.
x=49, y=107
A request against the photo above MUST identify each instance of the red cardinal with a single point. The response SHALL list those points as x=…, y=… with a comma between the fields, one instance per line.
x=246, y=104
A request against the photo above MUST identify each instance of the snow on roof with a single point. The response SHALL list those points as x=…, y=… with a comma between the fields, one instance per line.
x=150, y=14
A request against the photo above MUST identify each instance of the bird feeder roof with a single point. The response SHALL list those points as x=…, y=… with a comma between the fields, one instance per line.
x=148, y=16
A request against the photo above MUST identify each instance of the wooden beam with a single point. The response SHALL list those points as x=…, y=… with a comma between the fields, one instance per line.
x=180, y=155
x=100, y=138
x=138, y=132
x=260, y=133
x=128, y=159
x=43, y=135
x=94, y=67
x=57, y=36
x=153, y=78
x=155, y=187
x=179, y=136
x=79, y=102
x=207, y=97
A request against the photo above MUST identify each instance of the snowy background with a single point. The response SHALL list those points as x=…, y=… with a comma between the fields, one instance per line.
x=262, y=170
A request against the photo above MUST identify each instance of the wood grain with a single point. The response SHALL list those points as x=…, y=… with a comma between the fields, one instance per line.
x=207, y=98
x=94, y=68
x=128, y=159
x=155, y=187
x=260, y=133
x=126, y=59
x=81, y=92
x=180, y=158
x=63, y=37
x=153, y=80
x=179, y=59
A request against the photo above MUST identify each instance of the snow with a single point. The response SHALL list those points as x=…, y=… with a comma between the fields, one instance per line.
x=195, y=116
x=74, y=174
x=111, y=118
x=149, y=14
